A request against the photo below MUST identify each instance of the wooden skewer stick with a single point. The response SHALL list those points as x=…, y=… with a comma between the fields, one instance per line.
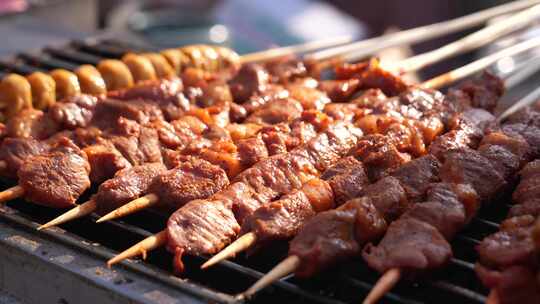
x=241, y=244
x=11, y=194
x=470, y=42
x=385, y=283
x=77, y=212
x=294, y=49
x=131, y=207
x=149, y=243
x=361, y=49
x=284, y=268
x=493, y=298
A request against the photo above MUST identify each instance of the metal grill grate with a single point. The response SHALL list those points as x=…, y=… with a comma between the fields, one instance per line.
x=92, y=244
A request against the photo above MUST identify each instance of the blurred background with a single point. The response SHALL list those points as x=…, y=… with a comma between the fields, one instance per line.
x=244, y=25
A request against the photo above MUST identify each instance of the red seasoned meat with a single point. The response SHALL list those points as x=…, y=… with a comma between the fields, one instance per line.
x=309, y=98
x=74, y=112
x=104, y=161
x=388, y=197
x=467, y=166
x=14, y=151
x=379, y=156
x=57, y=178
x=190, y=180
x=514, y=285
x=269, y=93
x=341, y=167
x=503, y=161
x=529, y=187
x=517, y=145
x=411, y=245
x=370, y=98
x=286, y=69
x=416, y=102
x=454, y=139
x=339, y=90
x=126, y=185
x=166, y=94
x=507, y=247
x=252, y=79
x=205, y=226
x=416, y=175
x=349, y=184
x=141, y=144
x=529, y=207
x=31, y=123
x=334, y=235
x=282, y=110
x=451, y=194
x=251, y=151
x=108, y=111
x=342, y=111
x=485, y=91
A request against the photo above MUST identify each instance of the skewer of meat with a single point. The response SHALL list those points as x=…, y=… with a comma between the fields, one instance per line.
x=505, y=156
x=292, y=263
x=138, y=248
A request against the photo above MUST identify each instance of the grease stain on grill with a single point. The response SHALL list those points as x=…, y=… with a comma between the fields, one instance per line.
x=160, y=297
x=63, y=259
x=102, y=273
x=21, y=241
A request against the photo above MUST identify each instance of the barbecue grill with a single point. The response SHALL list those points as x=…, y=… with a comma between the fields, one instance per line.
x=67, y=265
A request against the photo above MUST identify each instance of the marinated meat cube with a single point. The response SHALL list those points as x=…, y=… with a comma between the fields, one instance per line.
x=57, y=178
x=74, y=112
x=309, y=98
x=505, y=162
x=452, y=194
x=409, y=244
x=349, y=184
x=516, y=284
x=190, y=180
x=342, y=111
x=249, y=81
x=517, y=145
x=126, y=185
x=415, y=102
x=466, y=166
x=275, y=112
x=370, y=98
x=380, y=157
x=15, y=151
x=251, y=151
x=339, y=90
x=206, y=226
x=108, y=111
x=416, y=176
x=341, y=167
x=484, y=91
x=507, y=247
x=286, y=69
x=452, y=140
x=31, y=123
x=388, y=197
x=104, y=161
x=529, y=207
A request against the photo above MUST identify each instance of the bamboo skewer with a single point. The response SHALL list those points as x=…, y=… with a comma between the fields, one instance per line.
x=77, y=212
x=242, y=243
x=152, y=242
x=470, y=42
x=11, y=194
x=361, y=49
x=141, y=203
x=391, y=277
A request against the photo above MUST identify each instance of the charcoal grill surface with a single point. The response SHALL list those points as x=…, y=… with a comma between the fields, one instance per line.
x=67, y=264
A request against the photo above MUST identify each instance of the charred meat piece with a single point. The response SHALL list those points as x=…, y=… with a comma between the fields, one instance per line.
x=416, y=175
x=57, y=178
x=126, y=185
x=339, y=90
x=409, y=244
x=189, y=180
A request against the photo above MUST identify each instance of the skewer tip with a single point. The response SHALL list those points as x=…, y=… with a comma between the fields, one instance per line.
x=385, y=283
x=493, y=297
x=141, y=248
x=131, y=207
x=241, y=244
x=75, y=213
x=287, y=266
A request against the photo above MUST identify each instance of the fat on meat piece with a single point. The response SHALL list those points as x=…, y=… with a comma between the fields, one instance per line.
x=166, y=94
x=409, y=244
x=15, y=151
x=275, y=112
x=57, y=178
x=190, y=180
x=467, y=166
x=250, y=80
x=74, y=112
x=335, y=235
x=309, y=98
x=126, y=185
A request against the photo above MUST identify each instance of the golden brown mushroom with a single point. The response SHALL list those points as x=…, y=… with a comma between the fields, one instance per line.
x=67, y=84
x=211, y=57
x=43, y=90
x=195, y=56
x=228, y=59
x=90, y=80
x=161, y=65
x=15, y=94
x=176, y=59
x=115, y=74
x=140, y=67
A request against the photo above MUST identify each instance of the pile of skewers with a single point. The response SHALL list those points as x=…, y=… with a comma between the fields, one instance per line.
x=246, y=151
